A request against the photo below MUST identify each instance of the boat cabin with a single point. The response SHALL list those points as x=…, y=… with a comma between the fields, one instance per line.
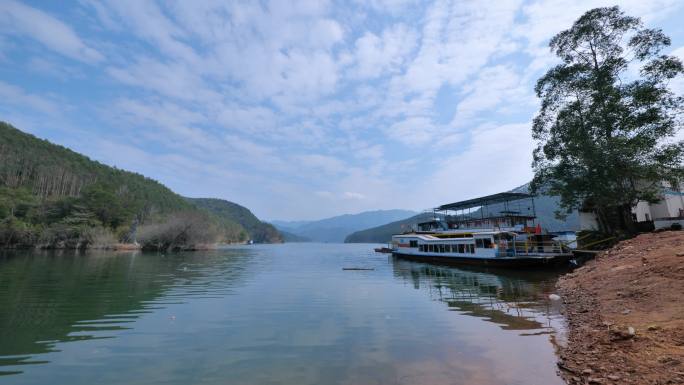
x=496, y=229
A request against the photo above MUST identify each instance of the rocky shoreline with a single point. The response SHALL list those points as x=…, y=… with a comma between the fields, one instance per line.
x=625, y=313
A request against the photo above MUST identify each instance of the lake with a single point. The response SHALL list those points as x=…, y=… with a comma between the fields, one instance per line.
x=271, y=314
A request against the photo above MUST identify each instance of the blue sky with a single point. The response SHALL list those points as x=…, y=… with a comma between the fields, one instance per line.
x=295, y=109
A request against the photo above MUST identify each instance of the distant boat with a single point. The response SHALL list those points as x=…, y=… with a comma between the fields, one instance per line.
x=383, y=249
x=505, y=237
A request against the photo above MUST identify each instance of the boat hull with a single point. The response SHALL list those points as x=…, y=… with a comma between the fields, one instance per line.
x=542, y=262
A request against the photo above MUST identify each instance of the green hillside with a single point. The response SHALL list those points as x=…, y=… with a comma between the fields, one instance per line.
x=53, y=197
x=383, y=234
x=230, y=213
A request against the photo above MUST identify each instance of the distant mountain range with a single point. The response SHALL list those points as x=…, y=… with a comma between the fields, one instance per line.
x=545, y=207
x=337, y=228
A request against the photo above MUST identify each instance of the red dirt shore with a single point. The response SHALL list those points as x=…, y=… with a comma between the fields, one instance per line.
x=625, y=313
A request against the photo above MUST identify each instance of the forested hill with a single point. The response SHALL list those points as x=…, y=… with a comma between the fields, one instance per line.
x=53, y=197
x=383, y=233
x=230, y=213
x=49, y=171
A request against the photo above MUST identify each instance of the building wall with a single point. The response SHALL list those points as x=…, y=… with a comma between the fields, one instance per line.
x=674, y=204
x=671, y=206
x=588, y=221
x=642, y=211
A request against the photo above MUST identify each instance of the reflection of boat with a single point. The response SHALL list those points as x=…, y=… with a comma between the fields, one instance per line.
x=515, y=301
x=483, y=231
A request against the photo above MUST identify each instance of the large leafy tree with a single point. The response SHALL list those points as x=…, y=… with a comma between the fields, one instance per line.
x=607, y=120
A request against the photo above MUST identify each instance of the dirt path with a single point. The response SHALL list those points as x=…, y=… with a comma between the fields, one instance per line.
x=625, y=314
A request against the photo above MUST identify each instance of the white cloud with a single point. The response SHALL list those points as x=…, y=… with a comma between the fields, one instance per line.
x=20, y=98
x=18, y=18
x=353, y=195
x=498, y=159
x=321, y=163
x=677, y=84
x=377, y=55
x=492, y=87
x=289, y=106
x=388, y=6
x=413, y=131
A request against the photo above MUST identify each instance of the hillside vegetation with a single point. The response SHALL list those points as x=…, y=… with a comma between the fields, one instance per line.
x=383, y=234
x=52, y=197
x=231, y=214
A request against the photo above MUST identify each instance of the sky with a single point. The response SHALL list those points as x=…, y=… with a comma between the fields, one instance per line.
x=296, y=109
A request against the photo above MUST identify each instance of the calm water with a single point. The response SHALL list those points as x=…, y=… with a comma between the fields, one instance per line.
x=273, y=314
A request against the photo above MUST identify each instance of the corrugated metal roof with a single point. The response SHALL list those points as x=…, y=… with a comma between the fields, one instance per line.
x=486, y=200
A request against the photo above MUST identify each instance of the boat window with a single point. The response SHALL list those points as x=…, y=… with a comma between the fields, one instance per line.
x=461, y=248
x=431, y=248
x=472, y=248
x=479, y=243
x=487, y=243
x=413, y=243
x=441, y=248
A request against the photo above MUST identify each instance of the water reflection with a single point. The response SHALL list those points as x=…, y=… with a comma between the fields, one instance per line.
x=514, y=300
x=64, y=296
x=279, y=314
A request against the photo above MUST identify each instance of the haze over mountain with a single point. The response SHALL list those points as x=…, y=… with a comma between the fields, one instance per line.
x=336, y=229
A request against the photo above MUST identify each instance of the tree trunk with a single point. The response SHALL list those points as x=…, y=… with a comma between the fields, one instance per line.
x=616, y=220
x=626, y=220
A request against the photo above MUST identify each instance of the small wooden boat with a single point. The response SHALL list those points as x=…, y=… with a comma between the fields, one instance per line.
x=383, y=250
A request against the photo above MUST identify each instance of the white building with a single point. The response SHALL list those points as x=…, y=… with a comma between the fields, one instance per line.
x=663, y=214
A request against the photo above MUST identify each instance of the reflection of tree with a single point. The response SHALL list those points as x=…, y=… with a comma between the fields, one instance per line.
x=53, y=297
x=512, y=299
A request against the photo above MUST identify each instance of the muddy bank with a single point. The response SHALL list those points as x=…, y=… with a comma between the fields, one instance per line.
x=625, y=314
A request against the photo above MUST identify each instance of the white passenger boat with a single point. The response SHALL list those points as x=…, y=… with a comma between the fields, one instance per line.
x=490, y=230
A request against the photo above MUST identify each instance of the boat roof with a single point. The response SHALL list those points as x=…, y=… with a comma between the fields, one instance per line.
x=485, y=200
x=464, y=231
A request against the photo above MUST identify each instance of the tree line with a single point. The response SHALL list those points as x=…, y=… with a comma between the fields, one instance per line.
x=53, y=197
